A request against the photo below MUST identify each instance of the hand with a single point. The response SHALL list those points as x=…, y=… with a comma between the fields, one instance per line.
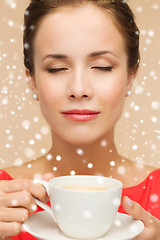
x=151, y=224
x=16, y=202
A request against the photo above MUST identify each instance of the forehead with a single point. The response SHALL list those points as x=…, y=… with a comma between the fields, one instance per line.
x=88, y=25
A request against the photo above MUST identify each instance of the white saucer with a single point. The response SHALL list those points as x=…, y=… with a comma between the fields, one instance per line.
x=42, y=226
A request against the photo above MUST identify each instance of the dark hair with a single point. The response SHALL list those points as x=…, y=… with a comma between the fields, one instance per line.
x=120, y=11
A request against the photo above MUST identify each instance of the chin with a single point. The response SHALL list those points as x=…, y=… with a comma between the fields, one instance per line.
x=82, y=140
x=80, y=137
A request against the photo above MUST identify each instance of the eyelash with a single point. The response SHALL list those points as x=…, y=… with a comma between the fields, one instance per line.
x=102, y=69
x=56, y=70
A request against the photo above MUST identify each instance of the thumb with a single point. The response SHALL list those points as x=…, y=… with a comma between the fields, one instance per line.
x=48, y=176
x=136, y=211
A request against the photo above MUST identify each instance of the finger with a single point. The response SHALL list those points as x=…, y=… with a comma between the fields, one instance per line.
x=5, y=238
x=13, y=215
x=137, y=212
x=18, y=185
x=48, y=176
x=19, y=199
x=10, y=229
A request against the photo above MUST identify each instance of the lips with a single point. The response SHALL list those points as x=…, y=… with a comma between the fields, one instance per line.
x=80, y=115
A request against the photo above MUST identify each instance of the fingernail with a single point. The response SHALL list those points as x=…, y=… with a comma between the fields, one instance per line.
x=129, y=201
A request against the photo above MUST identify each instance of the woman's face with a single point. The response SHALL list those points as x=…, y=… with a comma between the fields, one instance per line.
x=80, y=73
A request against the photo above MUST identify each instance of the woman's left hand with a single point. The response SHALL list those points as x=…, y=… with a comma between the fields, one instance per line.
x=151, y=224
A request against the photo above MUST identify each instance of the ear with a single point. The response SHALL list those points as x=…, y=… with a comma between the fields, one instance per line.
x=32, y=83
x=130, y=82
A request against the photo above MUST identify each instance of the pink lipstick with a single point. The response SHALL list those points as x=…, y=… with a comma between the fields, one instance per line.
x=80, y=115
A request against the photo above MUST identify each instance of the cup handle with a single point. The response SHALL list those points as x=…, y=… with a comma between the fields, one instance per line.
x=48, y=209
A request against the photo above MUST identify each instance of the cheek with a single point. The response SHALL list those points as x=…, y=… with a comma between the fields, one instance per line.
x=116, y=97
x=113, y=93
x=112, y=101
x=49, y=99
x=49, y=93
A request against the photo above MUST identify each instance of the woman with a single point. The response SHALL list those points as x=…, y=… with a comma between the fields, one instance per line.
x=81, y=59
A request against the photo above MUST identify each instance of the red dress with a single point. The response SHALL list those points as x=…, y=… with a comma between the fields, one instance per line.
x=147, y=194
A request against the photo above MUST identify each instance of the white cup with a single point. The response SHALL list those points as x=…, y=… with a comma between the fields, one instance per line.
x=84, y=207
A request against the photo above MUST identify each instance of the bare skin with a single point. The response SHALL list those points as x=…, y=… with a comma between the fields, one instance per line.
x=123, y=169
x=73, y=70
x=102, y=154
x=122, y=165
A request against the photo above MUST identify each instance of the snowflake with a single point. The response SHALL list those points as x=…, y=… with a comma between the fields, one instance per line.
x=87, y=214
x=18, y=162
x=72, y=172
x=43, y=150
x=79, y=151
x=57, y=207
x=90, y=165
x=154, y=198
x=58, y=158
x=112, y=163
x=49, y=157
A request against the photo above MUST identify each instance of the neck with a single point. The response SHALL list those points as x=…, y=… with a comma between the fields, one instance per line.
x=94, y=159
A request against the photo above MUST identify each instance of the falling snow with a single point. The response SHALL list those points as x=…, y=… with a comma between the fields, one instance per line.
x=72, y=172
x=154, y=198
x=133, y=228
x=18, y=162
x=116, y=202
x=37, y=176
x=80, y=151
x=25, y=135
x=34, y=207
x=87, y=214
x=104, y=143
x=112, y=163
x=121, y=170
x=43, y=151
x=29, y=165
x=90, y=165
x=14, y=202
x=49, y=157
x=117, y=223
x=58, y=158
x=54, y=169
x=57, y=207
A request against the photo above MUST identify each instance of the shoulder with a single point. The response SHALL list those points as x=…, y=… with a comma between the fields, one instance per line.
x=143, y=172
x=137, y=173
x=26, y=170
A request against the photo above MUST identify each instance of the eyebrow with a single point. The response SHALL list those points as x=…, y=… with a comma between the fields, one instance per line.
x=56, y=56
x=91, y=55
x=100, y=53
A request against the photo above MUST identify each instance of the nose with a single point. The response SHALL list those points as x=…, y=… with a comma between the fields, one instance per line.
x=79, y=87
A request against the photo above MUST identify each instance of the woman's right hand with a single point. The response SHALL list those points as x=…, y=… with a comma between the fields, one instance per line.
x=16, y=202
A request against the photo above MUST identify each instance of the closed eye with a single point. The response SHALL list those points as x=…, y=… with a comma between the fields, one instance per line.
x=103, y=69
x=56, y=70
